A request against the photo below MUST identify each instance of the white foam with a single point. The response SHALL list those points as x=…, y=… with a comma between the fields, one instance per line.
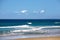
x=51, y=27
x=30, y=31
x=32, y=27
x=22, y=26
x=29, y=22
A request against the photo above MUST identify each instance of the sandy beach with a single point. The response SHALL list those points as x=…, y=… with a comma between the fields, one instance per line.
x=43, y=38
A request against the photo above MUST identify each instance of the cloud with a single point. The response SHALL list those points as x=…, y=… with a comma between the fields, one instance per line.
x=21, y=12
x=24, y=11
x=39, y=11
x=28, y=11
x=42, y=11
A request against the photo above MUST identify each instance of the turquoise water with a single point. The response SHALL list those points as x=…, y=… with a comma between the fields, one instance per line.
x=36, y=26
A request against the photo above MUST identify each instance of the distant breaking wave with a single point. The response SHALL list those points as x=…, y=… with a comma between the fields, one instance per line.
x=27, y=26
x=21, y=26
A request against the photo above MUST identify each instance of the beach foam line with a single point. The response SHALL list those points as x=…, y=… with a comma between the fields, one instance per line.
x=35, y=29
x=30, y=31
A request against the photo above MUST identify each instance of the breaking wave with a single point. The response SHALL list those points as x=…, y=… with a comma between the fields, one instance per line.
x=21, y=26
x=31, y=29
x=28, y=26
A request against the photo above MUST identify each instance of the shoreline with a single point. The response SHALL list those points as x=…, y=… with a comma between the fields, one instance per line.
x=23, y=37
x=41, y=38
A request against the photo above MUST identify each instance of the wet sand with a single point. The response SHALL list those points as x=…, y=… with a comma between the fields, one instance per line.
x=41, y=38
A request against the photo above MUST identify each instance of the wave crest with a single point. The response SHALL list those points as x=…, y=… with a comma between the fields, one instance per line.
x=20, y=26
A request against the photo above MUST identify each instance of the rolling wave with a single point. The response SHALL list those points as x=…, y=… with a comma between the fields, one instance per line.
x=21, y=26
x=33, y=29
x=28, y=26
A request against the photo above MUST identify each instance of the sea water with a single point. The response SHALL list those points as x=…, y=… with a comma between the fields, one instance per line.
x=29, y=26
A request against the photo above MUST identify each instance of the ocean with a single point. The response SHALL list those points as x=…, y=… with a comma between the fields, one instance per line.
x=30, y=27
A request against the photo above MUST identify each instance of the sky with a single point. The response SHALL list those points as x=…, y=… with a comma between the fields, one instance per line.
x=29, y=9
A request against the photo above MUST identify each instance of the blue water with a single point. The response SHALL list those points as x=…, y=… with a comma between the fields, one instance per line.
x=8, y=26
x=36, y=22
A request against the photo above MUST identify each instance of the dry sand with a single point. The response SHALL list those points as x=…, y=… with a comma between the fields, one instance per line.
x=43, y=38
